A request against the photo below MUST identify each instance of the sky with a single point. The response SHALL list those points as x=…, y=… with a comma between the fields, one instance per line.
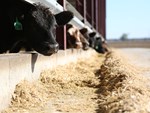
x=127, y=16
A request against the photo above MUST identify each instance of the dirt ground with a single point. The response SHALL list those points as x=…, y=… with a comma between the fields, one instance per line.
x=140, y=57
x=80, y=87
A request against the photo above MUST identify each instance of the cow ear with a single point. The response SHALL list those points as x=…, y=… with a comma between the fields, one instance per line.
x=92, y=34
x=83, y=30
x=64, y=17
x=68, y=26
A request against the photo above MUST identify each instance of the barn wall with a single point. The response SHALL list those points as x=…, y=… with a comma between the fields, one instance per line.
x=93, y=12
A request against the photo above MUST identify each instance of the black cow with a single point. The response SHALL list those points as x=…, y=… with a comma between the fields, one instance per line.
x=97, y=43
x=89, y=36
x=30, y=25
x=100, y=45
x=92, y=39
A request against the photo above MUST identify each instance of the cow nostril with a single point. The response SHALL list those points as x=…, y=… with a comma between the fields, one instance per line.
x=78, y=45
x=51, y=48
x=54, y=46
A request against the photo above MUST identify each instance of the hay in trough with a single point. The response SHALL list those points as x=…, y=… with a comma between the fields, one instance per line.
x=67, y=88
x=122, y=89
x=106, y=83
x=29, y=97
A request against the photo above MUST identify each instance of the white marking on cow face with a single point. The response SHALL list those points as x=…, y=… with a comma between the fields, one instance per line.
x=75, y=33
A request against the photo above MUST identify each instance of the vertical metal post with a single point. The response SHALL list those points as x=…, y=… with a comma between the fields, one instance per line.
x=92, y=8
x=61, y=31
x=102, y=17
x=84, y=10
x=79, y=6
x=89, y=11
x=96, y=14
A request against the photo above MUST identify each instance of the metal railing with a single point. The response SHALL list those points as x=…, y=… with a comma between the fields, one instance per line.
x=55, y=7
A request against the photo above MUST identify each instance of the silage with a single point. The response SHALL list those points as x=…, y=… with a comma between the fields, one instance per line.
x=120, y=86
x=69, y=79
x=29, y=97
x=123, y=88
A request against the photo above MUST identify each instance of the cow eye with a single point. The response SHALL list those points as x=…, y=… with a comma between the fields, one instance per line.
x=56, y=25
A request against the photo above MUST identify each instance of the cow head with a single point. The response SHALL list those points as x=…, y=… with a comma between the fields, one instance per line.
x=85, y=38
x=97, y=43
x=92, y=39
x=85, y=42
x=73, y=37
x=39, y=26
x=84, y=32
x=89, y=36
x=100, y=45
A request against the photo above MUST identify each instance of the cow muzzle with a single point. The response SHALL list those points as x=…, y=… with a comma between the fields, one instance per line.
x=79, y=45
x=50, y=49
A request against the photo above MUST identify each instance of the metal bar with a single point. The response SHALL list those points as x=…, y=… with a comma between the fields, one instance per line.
x=96, y=14
x=94, y=5
x=61, y=31
x=55, y=7
x=79, y=6
x=89, y=11
x=64, y=28
x=92, y=11
x=102, y=17
x=84, y=10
